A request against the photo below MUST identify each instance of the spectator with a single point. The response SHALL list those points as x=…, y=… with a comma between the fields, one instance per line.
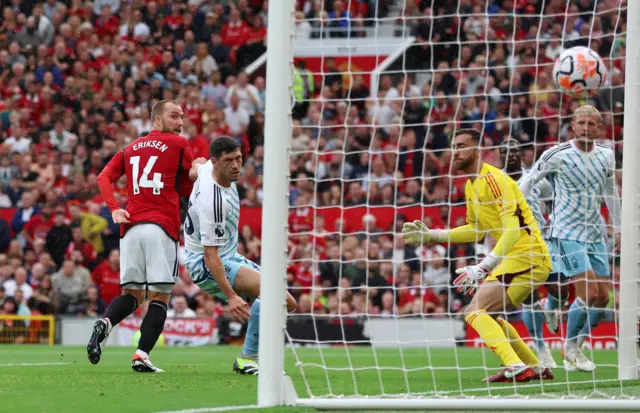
x=135, y=28
x=215, y=91
x=38, y=226
x=203, y=62
x=79, y=245
x=21, y=302
x=45, y=297
x=218, y=50
x=29, y=38
x=232, y=33
x=388, y=305
x=19, y=141
x=94, y=305
x=246, y=93
x=91, y=224
x=11, y=331
x=237, y=117
x=253, y=42
x=437, y=274
x=340, y=20
x=180, y=309
x=303, y=27
x=107, y=277
x=70, y=284
x=303, y=90
x=18, y=282
x=23, y=214
x=46, y=30
x=58, y=238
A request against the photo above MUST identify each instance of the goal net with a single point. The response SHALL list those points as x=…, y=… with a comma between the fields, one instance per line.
x=377, y=89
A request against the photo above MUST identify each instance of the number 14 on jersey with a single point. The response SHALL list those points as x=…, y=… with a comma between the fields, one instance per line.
x=144, y=182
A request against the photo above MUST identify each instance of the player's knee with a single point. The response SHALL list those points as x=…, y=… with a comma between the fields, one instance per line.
x=592, y=297
x=137, y=294
x=159, y=296
x=468, y=309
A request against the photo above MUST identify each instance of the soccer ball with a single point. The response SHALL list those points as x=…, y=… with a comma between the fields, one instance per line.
x=579, y=72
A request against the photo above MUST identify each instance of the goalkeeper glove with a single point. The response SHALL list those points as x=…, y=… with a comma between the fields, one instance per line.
x=470, y=277
x=416, y=232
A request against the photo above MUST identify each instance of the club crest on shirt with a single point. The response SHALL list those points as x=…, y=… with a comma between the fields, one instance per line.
x=219, y=231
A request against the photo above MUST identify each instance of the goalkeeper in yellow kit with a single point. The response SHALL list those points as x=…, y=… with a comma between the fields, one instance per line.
x=518, y=264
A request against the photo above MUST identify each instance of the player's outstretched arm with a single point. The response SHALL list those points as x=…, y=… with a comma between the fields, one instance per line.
x=238, y=307
x=417, y=232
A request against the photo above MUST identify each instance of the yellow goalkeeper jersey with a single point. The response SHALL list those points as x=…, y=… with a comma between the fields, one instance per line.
x=494, y=195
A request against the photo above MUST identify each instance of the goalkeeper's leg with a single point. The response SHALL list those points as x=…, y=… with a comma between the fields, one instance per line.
x=490, y=299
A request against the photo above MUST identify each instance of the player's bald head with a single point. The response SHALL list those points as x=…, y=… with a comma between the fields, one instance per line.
x=510, y=144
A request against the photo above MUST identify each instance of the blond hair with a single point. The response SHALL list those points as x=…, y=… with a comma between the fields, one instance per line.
x=587, y=110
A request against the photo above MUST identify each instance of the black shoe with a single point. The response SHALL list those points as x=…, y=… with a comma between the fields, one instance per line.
x=99, y=336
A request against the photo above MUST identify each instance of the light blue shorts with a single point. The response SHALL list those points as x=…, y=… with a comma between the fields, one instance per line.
x=574, y=257
x=201, y=275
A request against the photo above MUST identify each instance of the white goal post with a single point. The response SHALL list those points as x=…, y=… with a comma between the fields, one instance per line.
x=630, y=239
x=276, y=388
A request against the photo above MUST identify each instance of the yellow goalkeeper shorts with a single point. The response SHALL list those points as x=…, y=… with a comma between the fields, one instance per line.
x=521, y=276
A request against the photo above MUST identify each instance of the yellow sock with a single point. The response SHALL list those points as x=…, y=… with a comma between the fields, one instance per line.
x=519, y=346
x=493, y=336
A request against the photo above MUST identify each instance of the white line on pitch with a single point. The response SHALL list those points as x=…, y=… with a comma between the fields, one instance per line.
x=214, y=409
x=32, y=364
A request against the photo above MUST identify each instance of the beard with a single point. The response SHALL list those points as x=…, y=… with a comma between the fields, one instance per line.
x=166, y=129
x=465, y=163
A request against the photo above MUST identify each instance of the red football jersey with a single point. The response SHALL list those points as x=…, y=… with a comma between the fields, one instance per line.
x=157, y=169
x=108, y=279
x=301, y=220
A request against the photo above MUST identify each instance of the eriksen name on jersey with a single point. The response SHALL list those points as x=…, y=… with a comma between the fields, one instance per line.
x=150, y=144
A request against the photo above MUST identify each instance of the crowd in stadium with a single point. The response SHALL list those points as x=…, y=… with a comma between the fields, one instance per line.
x=78, y=79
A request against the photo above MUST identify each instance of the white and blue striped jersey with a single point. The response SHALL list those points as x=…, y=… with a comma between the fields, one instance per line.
x=213, y=215
x=580, y=182
x=541, y=191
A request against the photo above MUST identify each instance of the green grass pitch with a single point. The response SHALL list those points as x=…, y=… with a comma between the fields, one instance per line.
x=61, y=380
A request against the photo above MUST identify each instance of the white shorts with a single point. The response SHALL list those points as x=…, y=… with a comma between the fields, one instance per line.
x=148, y=258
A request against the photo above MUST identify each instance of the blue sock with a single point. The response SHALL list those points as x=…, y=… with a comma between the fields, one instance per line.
x=577, y=319
x=552, y=302
x=594, y=318
x=253, y=331
x=533, y=318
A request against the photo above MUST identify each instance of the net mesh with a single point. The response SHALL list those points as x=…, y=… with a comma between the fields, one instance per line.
x=372, y=126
